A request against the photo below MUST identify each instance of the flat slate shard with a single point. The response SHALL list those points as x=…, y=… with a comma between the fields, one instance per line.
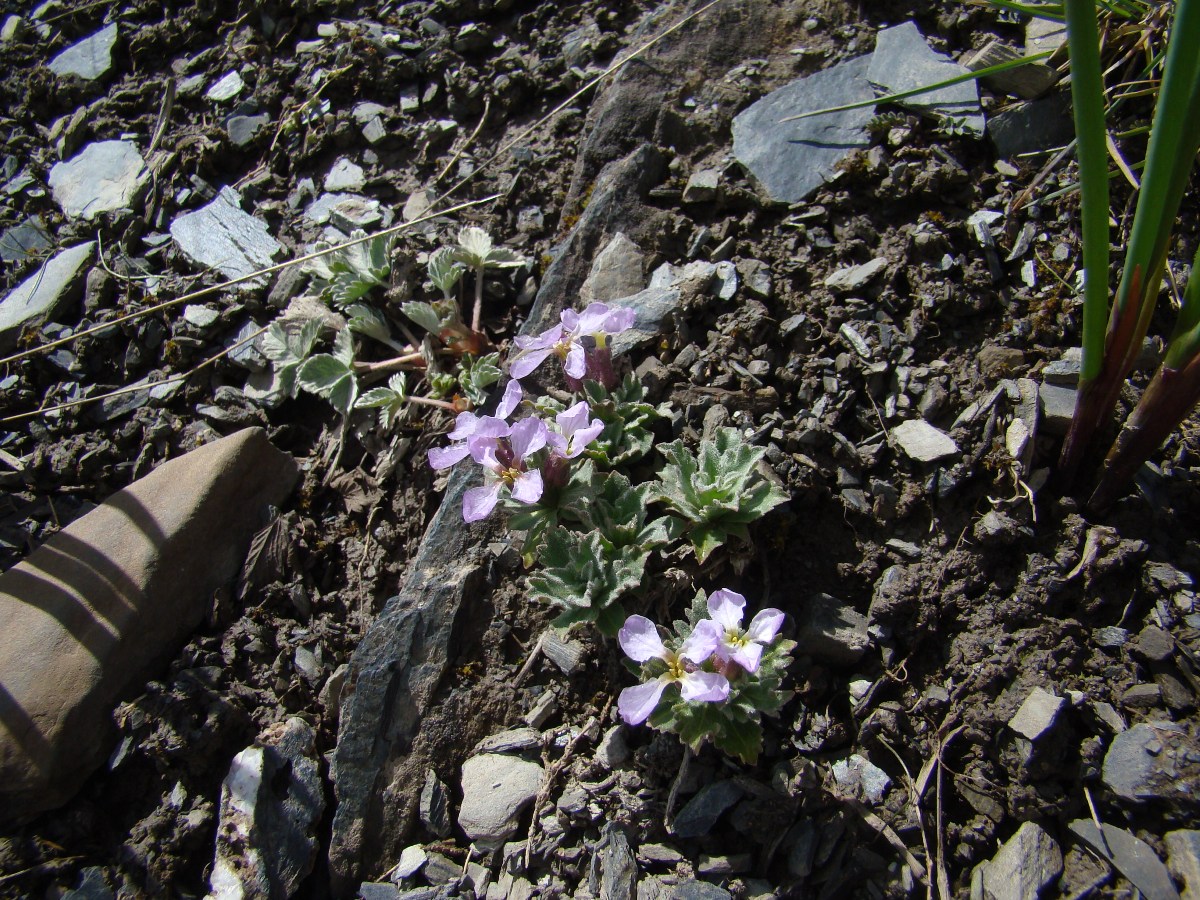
x=42, y=295
x=902, y=61
x=103, y=176
x=792, y=159
x=89, y=59
x=922, y=442
x=221, y=236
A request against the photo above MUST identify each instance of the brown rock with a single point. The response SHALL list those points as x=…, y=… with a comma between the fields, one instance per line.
x=88, y=615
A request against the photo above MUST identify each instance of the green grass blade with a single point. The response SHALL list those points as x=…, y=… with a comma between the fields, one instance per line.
x=1087, y=92
x=925, y=89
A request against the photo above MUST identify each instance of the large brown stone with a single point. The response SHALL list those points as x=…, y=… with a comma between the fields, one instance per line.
x=91, y=613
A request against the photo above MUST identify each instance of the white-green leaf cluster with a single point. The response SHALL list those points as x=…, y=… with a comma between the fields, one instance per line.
x=718, y=491
x=351, y=272
x=579, y=575
x=331, y=375
x=391, y=401
x=445, y=270
x=477, y=374
x=288, y=349
x=477, y=251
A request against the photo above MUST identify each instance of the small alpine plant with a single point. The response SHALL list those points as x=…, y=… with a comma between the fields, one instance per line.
x=728, y=676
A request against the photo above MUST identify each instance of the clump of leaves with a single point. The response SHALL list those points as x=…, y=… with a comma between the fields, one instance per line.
x=478, y=252
x=288, y=349
x=331, y=375
x=579, y=574
x=718, y=491
x=350, y=273
x=618, y=514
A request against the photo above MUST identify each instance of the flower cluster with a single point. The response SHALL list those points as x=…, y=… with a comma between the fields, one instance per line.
x=525, y=457
x=580, y=340
x=727, y=675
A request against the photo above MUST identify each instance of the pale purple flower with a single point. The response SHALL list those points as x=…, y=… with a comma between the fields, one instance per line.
x=468, y=429
x=575, y=432
x=639, y=639
x=723, y=637
x=576, y=335
x=511, y=399
x=506, y=465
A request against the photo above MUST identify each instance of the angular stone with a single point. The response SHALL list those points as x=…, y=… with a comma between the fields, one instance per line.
x=345, y=176
x=243, y=129
x=1153, y=645
x=496, y=789
x=922, y=442
x=90, y=614
x=1028, y=81
x=861, y=778
x=321, y=210
x=613, y=873
x=271, y=802
x=1154, y=761
x=223, y=237
x=104, y=176
x=792, y=159
x=1027, y=863
x=20, y=242
x=702, y=186
x=226, y=88
x=1183, y=859
x=902, y=61
x=44, y=294
x=1038, y=714
x=89, y=59
x=701, y=813
x=831, y=631
x=1058, y=406
x=1043, y=34
x=854, y=277
x=1032, y=127
x=616, y=272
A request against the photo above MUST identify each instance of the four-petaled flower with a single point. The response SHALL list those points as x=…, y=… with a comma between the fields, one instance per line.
x=507, y=467
x=639, y=639
x=575, y=432
x=478, y=431
x=722, y=635
x=579, y=338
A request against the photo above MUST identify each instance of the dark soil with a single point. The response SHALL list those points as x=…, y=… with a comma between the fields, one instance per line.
x=966, y=620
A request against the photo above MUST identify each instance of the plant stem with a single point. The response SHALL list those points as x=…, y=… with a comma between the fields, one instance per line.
x=416, y=360
x=477, y=314
x=430, y=401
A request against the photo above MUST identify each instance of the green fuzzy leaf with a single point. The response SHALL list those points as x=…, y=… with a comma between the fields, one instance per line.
x=444, y=270
x=476, y=250
x=577, y=573
x=627, y=418
x=477, y=375
x=441, y=384
x=368, y=321
x=718, y=490
x=424, y=315
x=349, y=273
x=327, y=376
x=391, y=401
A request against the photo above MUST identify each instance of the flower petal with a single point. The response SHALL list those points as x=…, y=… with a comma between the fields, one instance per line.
x=637, y=703
x=527, y=487
x=571, y=420
x=639, y=639
x=527, y=362
x=584, y=436
x=464, y=426
x=726, y=607
x=575, y=364
x=620, y=318
x=747, y=656
x=445, y=457
x=765, y=625
x=703, y=642
x=528, y=436
x=511, y=399
x=711, y=687
x=479, y=502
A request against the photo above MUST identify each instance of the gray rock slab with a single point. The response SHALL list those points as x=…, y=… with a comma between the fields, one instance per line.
x=699, y=816
x=243, y=129
x=1038, y=714
x=496, y=790
x=1183, y=859
x=1154, y=761
x=613, y=872
x=89, y=59
x=853, y=278
x=1027, y=863
x=22, y=241
x=222, y=236
x=1028, y=81
x=345, y=176
x=1033, y=127
x=44, y=294
x=702, y=186
x=271, y=802
x=862, y=779
x=922, y=442
x=226, y=87
x=93, y=611
x=320, y=210
x=831, y=631
x=617, y=271
x=1132, y=857
x=791, y=160
x=1058, y=407
x=103, y=176
x=902, y=61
